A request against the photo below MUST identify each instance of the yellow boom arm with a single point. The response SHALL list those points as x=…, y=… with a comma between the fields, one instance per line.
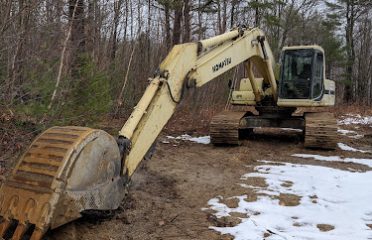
x=193, y=64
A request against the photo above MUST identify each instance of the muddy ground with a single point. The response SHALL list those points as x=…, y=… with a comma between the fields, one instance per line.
x=168, y=192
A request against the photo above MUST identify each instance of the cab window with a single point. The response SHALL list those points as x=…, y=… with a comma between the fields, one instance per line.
x=318, y=76
x=297, y=74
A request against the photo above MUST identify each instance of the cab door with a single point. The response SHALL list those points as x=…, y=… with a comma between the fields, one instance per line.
x=318, y=79
x=297, y=74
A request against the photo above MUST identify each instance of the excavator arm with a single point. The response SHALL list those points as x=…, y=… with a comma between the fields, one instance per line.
x=191, y=64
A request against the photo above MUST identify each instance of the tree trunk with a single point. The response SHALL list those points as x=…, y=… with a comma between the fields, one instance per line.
x=350, y=51
x=168, y=39
x=224, y=18
x=63, y=55
x=257, y=15
x=16, y=72
x=114, y=41
x=232, y=13
x=126, y=19
x=177, y=22
x=219, y=18
x=186, y=19
x=77, y=35
x=139, y=18
x=200, y=23
x=77, y=32
x=131, y=20
x=148, y=33
x=90, y=28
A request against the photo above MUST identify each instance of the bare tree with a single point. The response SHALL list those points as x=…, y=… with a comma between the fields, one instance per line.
x=63, y=54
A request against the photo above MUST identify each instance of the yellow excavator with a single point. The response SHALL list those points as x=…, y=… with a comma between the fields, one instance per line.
x=71, y=170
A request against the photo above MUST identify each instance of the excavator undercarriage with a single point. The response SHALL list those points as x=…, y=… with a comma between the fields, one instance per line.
x=319, y=128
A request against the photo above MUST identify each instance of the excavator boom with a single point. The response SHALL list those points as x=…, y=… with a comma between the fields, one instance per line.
x=189, y=65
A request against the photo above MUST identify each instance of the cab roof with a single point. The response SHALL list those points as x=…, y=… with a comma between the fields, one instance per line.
x=297, y=47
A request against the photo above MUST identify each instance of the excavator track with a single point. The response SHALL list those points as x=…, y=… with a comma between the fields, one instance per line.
x=320, y=130
x=224, y=128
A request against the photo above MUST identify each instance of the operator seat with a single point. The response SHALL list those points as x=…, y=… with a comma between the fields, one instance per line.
x=306, y=72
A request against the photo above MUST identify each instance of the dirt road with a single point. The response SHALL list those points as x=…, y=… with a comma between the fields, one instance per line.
x=169, y=195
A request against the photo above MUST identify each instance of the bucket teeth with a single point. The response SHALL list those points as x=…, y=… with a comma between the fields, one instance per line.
x=20, y=231
x=37, y=234
x=12, y=230
x=4, y=227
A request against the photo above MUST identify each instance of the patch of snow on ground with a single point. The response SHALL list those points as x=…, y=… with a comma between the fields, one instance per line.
x=345, y=147
x=342, y=200
x=350, y=133
x=363, y=161
x=355, y=119
x=291, y=129
x=186, y=137
x=345, y=132
x=202, y=140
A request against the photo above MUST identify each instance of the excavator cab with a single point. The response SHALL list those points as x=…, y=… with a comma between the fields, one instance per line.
x=302, y=73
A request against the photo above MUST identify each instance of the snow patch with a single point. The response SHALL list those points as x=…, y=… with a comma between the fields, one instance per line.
x=186, y=137
x=345, y=132
x=328, y=196
x=356, y=119
x=345, y=147
x=319, y=157
x=363, y=161
x=291, y=129
x=350, y=133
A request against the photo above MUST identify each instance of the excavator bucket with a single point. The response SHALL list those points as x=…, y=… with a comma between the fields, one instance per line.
x=65, y=171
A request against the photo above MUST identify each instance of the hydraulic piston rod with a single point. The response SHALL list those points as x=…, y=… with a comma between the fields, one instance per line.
x=219, y=39
x=132, y=122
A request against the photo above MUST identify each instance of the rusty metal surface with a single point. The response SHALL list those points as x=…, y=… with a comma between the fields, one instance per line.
x=224, y=127
x=320, y=130
x=65, y=170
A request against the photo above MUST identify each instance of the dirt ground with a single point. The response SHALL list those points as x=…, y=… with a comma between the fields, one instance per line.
x=168, y=192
